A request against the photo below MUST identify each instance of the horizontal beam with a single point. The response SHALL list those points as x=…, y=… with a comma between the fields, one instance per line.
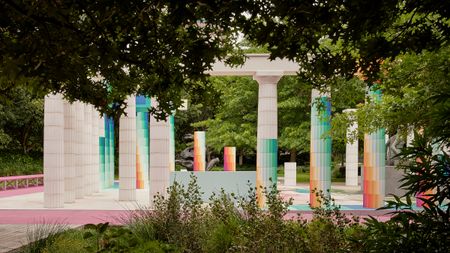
x=256, y=63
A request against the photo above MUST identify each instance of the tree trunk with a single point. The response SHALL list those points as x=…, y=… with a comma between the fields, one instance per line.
x=241, y=158
x=293, y=152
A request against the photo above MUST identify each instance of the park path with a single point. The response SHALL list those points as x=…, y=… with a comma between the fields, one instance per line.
x=12, y=236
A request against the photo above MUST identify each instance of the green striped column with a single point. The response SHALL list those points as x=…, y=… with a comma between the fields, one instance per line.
x=111, y=153
x=267, y=162
x=101, y=141
x=106, y=154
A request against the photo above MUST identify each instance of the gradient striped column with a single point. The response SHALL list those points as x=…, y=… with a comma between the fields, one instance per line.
x=101, y=150
x=159, y=155
x=127, y=152
x=95, y=151
x=351, y=151
x=111, y=150
x=267, y=132
x=87, y=158
x=107, y=152
x=142, y=148
x=374, y=162
x=69, y=152
x=53, y=151
x=320, y=151
x=199, y=151
x=172, y=143
x=229, y=158
x=79, y=149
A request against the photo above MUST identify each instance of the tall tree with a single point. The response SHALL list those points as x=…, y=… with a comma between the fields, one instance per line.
x=21, y=120
x=101, y=51
x=294, y=97
x=234, y=123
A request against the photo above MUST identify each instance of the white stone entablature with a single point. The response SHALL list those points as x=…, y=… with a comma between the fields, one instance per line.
x=256, y=63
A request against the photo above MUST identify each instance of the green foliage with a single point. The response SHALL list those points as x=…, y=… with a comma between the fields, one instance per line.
x=340, y=38
x=40, y=236
x=234, y=123
x=21, y=121
x=330, y=230
x=412, y=230
x=159, y=49
x=14, y=162
x=294, y=96
x=70, y=241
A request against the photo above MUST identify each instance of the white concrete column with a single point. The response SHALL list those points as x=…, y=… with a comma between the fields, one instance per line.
x=351, y=150
x=127, y=152
x=54, y=151
x=69, y=152
x=87, y=151
x=290, y=174
x=159, y=155
x=95, y=151
x=267, y=132
x=79, y=149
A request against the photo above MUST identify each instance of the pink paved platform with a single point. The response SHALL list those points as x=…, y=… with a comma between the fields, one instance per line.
x=62, y=216
x=21, y=191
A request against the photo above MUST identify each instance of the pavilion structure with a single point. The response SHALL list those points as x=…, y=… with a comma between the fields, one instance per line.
x=76, y=137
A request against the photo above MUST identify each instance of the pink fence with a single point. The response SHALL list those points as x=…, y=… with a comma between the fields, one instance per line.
x=16, y=182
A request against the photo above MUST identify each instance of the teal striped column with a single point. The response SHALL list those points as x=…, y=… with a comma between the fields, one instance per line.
x=143, y=142
x=111, y=153
x=101, y=151
x=106, y=153
x=320, y=150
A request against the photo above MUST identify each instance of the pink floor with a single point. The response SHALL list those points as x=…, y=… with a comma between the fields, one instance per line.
x=21, y=191
x=62, y=216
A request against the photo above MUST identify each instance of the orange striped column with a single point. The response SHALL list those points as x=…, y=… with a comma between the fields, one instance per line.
x=374, y=162
x=229, y=158
x=199, y=151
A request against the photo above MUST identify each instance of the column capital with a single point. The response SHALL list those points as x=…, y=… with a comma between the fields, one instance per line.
x=265, y=77
x=350, y=110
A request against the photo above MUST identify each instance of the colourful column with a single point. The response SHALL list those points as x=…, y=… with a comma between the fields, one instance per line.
x=229, y=158
x=172, y=143
x=107, y=152
x=53, y=151
x=351, y=150
x=142, y=149
x=267, y=132
x=111, y=155
x=374, y=162
x=69, y=152
x=159, y=155
x=127, y=152
x=101, y=150
x=199, y=151
x=320, y=151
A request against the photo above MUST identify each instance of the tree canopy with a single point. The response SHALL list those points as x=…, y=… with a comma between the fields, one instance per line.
x=101, y=51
